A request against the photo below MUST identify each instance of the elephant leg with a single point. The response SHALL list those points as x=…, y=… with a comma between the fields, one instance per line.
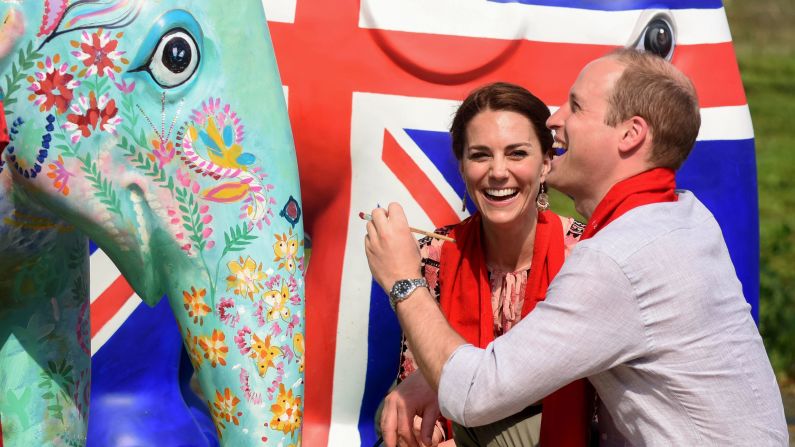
x=44, y=373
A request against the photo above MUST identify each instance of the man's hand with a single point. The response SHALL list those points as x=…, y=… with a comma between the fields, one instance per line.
x=410, y=414
x=392, y=251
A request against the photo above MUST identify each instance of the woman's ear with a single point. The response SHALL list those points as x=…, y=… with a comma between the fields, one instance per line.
x=546, y=165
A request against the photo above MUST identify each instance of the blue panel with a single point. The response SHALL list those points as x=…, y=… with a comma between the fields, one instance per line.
x=622, y=5
x=383, y=356
x=723, y=176
x=136, y=397
x=92, y=247
x=437, y=146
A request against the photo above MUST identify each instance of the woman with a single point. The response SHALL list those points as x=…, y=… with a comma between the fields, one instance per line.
x=505, y=254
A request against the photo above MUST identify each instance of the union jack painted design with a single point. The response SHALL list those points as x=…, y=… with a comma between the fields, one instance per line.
x=372, y=88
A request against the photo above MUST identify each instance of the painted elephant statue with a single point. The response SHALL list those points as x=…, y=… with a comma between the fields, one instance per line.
x=158, y=129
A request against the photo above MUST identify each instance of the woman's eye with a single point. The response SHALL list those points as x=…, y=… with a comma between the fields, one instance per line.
x=175, y=59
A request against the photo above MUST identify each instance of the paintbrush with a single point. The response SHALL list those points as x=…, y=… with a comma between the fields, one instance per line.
x=415, y=230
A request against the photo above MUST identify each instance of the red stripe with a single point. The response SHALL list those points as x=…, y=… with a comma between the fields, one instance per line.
x=419, y=185
x=108, y=303
x=714, y=71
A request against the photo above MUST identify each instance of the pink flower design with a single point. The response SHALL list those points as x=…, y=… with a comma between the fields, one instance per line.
x=224, y=309
x=241, y=340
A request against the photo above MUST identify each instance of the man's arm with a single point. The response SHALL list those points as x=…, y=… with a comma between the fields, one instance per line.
x=588, y=323
x=392, y=254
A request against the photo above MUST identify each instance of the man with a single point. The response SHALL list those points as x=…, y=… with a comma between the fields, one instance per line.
x=648, y=307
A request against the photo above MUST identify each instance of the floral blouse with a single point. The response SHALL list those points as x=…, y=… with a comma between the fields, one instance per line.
x=507, y=288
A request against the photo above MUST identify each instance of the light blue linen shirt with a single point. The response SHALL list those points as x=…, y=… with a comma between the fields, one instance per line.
x=650, y=310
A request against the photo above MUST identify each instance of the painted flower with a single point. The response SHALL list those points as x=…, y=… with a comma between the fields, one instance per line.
x=251, y=396
x=214, y=348
x=227, y=312
x=124, y=87
x=286, y=411
x=224, y=409
x=163, y=152
x=90, y=113
x=53, y=86
x=99, y=54
x=195, y=305
x=192, y=346
x=245, y=277
x=60, y=176
x=241, y=340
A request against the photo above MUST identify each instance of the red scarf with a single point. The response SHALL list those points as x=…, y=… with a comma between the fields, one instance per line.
x=653, y=186
x=465, y=299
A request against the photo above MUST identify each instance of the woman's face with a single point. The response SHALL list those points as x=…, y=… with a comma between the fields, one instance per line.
x=503, y=167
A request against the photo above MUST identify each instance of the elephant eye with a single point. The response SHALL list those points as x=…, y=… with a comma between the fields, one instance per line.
x=175, y=59
x=657, y=38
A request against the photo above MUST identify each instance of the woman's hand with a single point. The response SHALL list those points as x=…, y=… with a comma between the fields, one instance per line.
x=410, y=414
x=392, y=252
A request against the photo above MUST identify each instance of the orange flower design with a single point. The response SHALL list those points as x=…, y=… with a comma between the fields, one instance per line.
x=224, y=410
x=214, y=348
x=195, y=305
x=286, y=411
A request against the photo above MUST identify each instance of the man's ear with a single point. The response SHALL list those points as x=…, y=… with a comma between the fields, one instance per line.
x=635, y=132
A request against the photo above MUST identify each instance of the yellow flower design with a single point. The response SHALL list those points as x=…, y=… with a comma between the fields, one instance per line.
x=286, y=411
x=214, y=348
x=245, y=277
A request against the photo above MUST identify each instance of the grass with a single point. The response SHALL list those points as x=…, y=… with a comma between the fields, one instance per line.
x=764, y=41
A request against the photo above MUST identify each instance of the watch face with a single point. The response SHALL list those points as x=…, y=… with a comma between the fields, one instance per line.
x=402, y=287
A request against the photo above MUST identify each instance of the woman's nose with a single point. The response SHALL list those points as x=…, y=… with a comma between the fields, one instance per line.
x=499, y=168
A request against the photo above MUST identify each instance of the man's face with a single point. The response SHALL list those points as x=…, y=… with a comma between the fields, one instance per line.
x=579, y=125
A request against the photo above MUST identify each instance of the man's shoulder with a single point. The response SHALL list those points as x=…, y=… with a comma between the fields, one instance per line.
x=657, y=223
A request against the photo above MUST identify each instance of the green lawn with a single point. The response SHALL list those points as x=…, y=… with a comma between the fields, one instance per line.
x=764, y=40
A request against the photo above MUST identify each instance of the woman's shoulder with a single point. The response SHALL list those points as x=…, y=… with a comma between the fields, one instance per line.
x=572, y=232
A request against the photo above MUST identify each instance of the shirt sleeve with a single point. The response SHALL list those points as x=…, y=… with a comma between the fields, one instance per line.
x=588, y=323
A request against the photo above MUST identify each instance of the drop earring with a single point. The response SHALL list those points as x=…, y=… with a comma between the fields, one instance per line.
x=542, y=199
x=464, y=201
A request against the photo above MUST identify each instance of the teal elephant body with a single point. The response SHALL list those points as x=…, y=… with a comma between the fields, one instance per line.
x=159, y=130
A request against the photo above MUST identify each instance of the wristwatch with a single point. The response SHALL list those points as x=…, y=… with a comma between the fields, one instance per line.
x=403, y=288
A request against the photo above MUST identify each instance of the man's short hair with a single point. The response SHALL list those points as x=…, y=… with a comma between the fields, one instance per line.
x=658, y=92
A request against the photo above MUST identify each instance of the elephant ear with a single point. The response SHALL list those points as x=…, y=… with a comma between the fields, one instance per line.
x=85, y=14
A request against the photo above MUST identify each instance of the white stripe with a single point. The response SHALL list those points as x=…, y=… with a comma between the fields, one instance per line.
x=373, y=183
x=479, y=18
x=726, y=123
x=279, y=10
x=107, y=331
x=102, y=274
